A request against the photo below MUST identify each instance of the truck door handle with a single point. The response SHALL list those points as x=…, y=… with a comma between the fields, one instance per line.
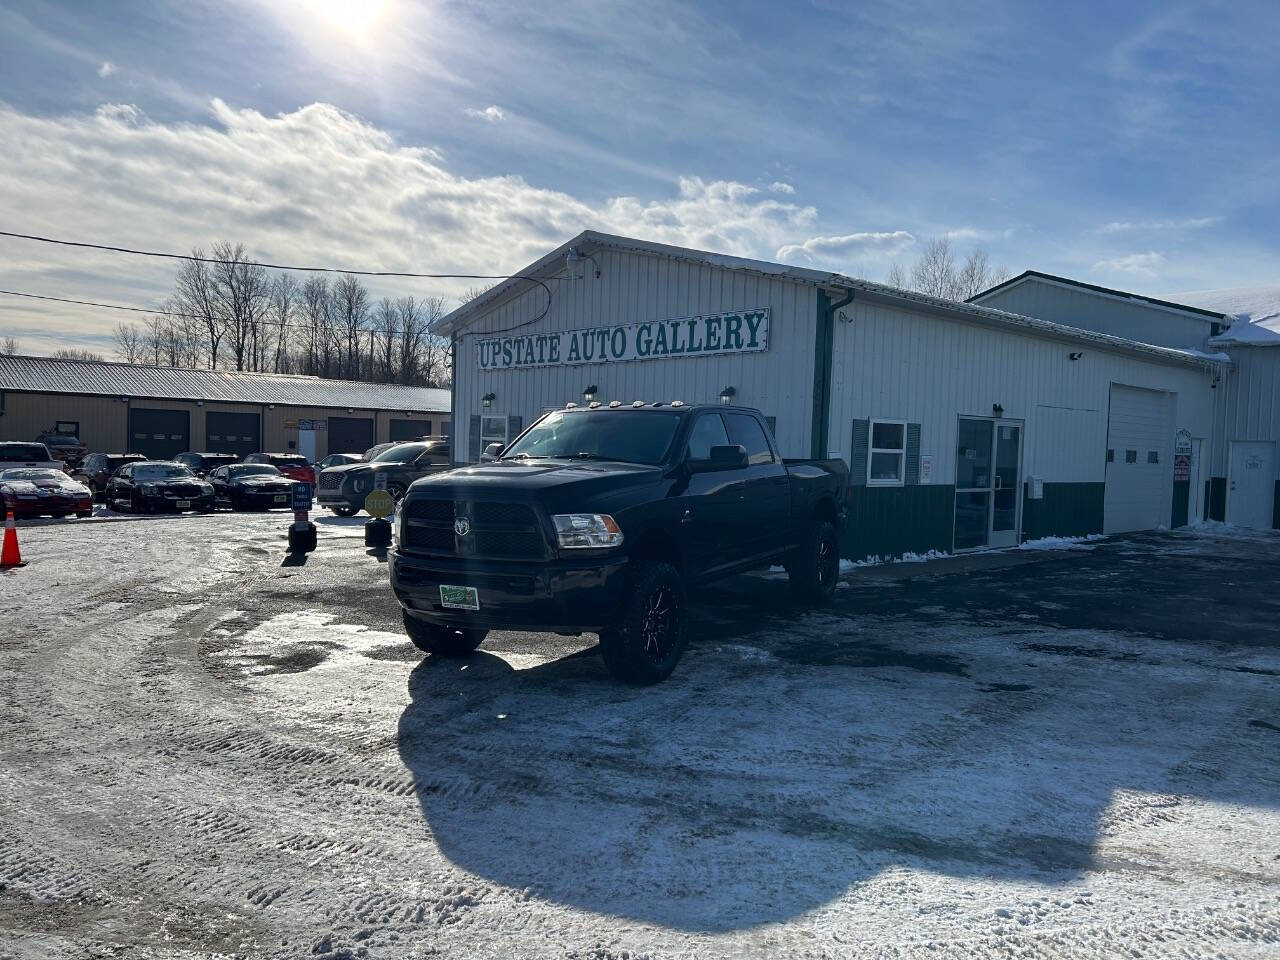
x=688, y=516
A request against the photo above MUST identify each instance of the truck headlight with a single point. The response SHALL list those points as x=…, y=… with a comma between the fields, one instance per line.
x=206, y=489
x=576, y=530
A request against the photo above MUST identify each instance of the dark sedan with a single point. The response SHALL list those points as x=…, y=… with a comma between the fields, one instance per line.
x=57, y=495
x=203, y=464
x=155, y=485
x=251, y=486
x=96, y=469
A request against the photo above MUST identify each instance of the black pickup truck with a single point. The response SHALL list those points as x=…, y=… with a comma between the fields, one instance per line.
x=602, y=520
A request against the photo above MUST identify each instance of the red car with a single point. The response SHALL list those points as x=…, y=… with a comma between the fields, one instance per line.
x=293, y=465
x=44, y=491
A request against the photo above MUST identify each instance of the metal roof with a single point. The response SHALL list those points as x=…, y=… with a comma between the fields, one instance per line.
x=49, y=375
x=1210, y=315
x=553, y=263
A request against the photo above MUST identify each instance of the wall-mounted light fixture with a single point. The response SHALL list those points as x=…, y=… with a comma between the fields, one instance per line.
x=124, y=399
x=997, y=410
x=488, y=398
x=199, y=403
x=573, y=256
x=272, y=406
x=1076, y=355
x=727, y=395
x=589, y=394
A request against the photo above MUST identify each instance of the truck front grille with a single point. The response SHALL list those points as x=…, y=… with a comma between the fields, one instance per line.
x=503, y=531
x=330, y=481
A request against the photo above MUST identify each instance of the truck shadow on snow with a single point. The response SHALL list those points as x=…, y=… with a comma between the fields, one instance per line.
x=774, y=772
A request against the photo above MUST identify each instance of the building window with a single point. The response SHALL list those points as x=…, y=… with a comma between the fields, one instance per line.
x=492, y=430
x=888, y=451
x=1111, y=455
x=67, y=428
x=1153, y=456
x=1131, y=456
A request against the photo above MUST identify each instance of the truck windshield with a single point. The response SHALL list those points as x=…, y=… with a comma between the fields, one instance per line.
x=639, y=436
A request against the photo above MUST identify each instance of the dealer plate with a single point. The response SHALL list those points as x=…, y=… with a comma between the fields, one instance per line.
x=281, y=497
x=459, y=598
x=184, y=504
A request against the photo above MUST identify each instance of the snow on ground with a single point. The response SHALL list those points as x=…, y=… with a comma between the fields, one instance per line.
x=203, y=752
x=1061, y=543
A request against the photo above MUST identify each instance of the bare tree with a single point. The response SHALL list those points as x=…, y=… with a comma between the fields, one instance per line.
x=471, y=293
x=131, y=342
x=977, y=275
x=285, y=294
x=241, y=291
x=76, y=353
x=896, y=277
x=350, y=308
x=386, y=338
x=934, y=273
x=316, y=307
x=9, y=347
x=197, y=295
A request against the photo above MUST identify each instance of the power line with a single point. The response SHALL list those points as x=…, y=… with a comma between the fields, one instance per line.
x=156, y=312
x=270, y=266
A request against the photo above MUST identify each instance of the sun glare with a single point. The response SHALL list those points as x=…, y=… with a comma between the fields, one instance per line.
x=357, y=19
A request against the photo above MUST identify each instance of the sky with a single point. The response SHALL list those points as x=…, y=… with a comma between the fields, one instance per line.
x=1132, y=145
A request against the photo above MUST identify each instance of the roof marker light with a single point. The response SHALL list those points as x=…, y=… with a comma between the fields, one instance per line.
x=594, y=404
x=677, y=403
x=637, y=403
x=614, y=404
x=570, y=405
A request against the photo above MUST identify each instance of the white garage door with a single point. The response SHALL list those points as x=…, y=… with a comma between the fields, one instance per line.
x=1139, y=491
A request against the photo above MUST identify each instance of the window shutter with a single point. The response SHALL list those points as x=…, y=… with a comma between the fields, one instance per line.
x=858, y=453
x=911, y=474
x=473, y=440
x=514, y=426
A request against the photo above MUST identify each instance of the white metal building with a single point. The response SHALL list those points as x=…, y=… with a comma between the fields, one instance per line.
x=964, y=426
x=1232, y=474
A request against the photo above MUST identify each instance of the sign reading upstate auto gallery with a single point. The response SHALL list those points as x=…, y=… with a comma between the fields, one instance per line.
x=743, y=331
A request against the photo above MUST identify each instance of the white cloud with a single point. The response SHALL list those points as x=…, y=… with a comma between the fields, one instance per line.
x=107, y=69
x=779, y=186
x=492, y=113
x=1144, y=264
x=841, y=250
x=314, y=186
x=1191, y=223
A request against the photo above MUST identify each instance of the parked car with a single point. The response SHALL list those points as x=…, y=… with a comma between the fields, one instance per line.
x=343, y=489
x=96, y=469
x=605, y=521
x=293, y=465
x=251, y=486
x=64, y=447
x=338, y=460
x=378, y=448
x=58, y=495
x=154, y=485
x=20, y=498
x=202, y=464
x=15, y=454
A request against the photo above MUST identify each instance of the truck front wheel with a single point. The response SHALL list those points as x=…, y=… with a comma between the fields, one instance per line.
x=644, y=644
x=814, y=568
x=442, y=641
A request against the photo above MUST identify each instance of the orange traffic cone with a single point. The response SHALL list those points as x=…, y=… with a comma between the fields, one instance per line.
x=10, y=555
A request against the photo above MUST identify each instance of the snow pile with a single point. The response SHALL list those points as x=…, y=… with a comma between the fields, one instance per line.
x=1256, y=311
x=1060, y=543
x=908, y=557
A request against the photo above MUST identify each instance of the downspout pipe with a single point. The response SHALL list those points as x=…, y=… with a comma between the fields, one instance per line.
x=823, y=355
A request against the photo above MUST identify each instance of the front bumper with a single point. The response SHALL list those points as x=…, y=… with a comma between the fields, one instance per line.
x=567, y=595
x=160, y=502
x=263, y=499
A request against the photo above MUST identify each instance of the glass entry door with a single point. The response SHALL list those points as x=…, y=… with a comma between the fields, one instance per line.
x=988, y=483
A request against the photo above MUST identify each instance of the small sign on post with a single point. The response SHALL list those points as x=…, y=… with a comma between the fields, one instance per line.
x=302, y=533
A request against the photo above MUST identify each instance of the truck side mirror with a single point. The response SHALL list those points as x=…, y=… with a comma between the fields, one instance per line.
x=492, y=452
x=729, y=456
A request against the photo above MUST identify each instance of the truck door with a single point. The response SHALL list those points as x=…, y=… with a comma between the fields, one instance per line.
x=711, y=504
x=766, y=519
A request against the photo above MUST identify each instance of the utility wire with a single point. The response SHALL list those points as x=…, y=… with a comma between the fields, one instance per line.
x=156, y=312
x=270, y=266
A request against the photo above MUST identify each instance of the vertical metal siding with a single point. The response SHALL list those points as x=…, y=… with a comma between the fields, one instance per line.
x=901, y=365
x=1093, y=311
x=635, y=287
x=1251, y=397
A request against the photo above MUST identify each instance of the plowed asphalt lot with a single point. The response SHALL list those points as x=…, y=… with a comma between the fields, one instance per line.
x=206, y=753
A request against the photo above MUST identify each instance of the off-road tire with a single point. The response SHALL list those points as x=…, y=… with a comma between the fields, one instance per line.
x=345, y=510
x=645, y=642
x=814, y=566
x=442, y=641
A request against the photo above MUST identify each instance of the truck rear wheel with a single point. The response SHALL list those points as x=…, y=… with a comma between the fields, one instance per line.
x=646, y=641
x=442, y=641
x=814, y=568
x=343, y=510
